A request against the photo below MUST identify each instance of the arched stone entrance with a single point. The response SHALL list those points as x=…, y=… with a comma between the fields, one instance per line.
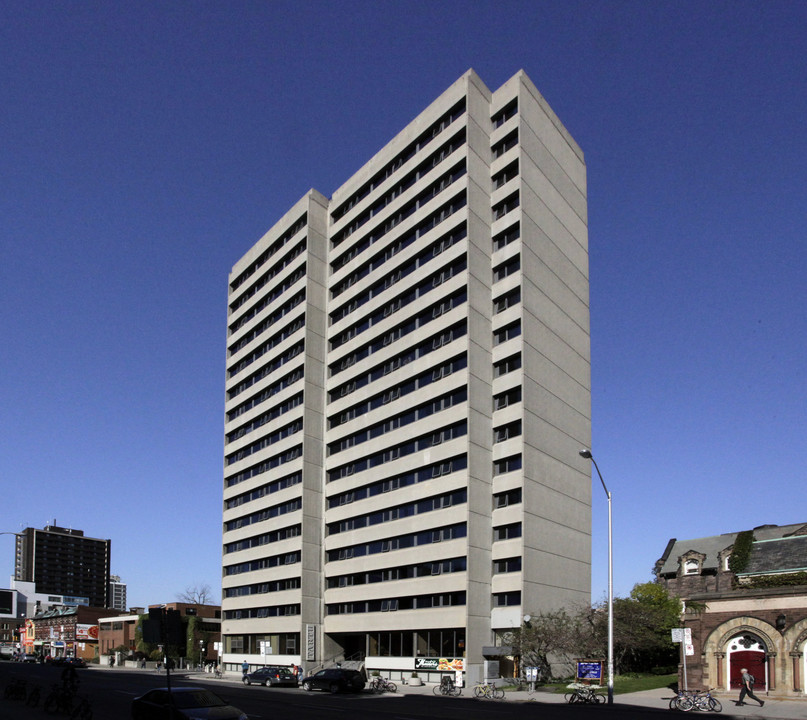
x=743, y=642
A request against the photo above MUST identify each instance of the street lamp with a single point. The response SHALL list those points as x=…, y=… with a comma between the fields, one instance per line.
x=585, y=453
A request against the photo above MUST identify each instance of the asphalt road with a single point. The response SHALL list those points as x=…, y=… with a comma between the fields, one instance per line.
x=111, y=693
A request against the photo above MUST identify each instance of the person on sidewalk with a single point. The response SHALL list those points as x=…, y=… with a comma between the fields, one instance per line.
x=747, y=688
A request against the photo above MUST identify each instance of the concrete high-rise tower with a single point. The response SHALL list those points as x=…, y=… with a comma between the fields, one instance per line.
x=408, y=386
x=64, y=561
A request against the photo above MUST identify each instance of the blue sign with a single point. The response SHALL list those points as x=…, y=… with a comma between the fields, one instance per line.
x=589, y=670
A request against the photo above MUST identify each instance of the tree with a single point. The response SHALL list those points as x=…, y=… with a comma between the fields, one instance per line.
x=196, y=595
x=554, y=636
x=642, y=624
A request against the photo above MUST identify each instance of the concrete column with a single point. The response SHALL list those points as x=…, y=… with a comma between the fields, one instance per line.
x=796, y=686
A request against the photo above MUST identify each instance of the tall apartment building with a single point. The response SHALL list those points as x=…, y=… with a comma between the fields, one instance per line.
x=62, y=561
x=408, y=386
x=116, y=594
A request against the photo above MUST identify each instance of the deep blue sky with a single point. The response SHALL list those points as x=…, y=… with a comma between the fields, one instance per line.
x=144, y=147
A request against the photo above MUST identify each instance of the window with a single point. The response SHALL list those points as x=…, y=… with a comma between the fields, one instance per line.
x=505, y=237
x=505, y=499
x=691, y=567
x=507, y=365
x=507, y=599
x=506, y=301
x=505, y=432
x=508, y=464
x=504, y=176
x=507, y=532
x=503, y=115
x=507, y=142
x=500, y=272
x=507, y=398
x=507, y=565
x=508, y=332
x=507, y=205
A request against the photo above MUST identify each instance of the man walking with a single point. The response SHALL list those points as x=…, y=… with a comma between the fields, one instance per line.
x=747, y=688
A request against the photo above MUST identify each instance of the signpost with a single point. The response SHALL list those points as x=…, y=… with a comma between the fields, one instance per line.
x=684, y=636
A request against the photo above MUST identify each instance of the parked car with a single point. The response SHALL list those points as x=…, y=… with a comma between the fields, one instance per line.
x=188, y=702
x=334, y=680
x=271, y=675
x=30, y=657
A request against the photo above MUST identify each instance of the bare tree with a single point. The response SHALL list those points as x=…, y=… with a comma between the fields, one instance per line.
x=549, y=639
x=196, y=595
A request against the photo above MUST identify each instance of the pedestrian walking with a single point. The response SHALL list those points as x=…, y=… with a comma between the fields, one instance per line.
x=747, y=688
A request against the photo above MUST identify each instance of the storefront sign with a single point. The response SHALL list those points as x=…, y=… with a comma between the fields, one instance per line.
x=440, y=664
x=310, y=642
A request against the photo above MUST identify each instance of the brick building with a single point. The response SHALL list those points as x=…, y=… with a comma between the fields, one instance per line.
x=753, y=616
x=65, y=631
x=121, y=630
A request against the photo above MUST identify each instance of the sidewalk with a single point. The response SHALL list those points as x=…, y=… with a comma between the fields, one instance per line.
x=786, y=709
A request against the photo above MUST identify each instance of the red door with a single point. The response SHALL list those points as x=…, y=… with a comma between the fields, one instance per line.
x=754, y=661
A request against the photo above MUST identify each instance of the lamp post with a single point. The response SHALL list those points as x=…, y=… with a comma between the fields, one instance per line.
x=585, y=453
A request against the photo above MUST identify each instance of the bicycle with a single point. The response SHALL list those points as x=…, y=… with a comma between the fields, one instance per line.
x=584, y=694
x=60, y=699
x=699, y=700
x=380, y=684
x=17, y=689
x=217, y=674
x=82, y=711
x=488, y=691
x=447, y=687
x=33, y=697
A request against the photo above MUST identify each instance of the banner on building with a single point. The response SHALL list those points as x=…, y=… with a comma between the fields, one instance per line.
x=86, y=632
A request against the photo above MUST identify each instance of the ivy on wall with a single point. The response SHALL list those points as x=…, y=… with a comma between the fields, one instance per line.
x=769, y=581
x=741, y=551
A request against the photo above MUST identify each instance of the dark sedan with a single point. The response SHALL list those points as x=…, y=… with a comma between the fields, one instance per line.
x=188, y=702
x=270, y=676
x=334, y=679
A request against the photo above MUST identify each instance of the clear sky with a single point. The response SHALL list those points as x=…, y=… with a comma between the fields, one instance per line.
x=145, y=147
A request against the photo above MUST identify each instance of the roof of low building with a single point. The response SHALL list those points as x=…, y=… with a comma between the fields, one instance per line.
x=778, y=555
x=764, y=557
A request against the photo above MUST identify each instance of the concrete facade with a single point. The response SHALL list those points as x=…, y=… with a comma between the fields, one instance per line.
x=408, y=386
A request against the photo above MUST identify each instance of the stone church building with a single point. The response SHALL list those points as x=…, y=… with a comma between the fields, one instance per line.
x=747, y=612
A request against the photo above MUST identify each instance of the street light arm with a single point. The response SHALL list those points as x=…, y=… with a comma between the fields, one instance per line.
x=586, y=453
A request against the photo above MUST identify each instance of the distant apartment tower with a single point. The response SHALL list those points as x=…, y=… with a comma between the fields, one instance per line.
x=62, y=561
x=408, y=387
x=116, y=595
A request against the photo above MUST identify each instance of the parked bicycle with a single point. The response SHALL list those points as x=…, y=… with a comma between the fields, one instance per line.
x=447, y=687
x=60, y=699
x=702, y=700
x=33, y=697
x=17, y=689
x=584, y=694
x=488, y=691
x=380, y=684
x=82, y=710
